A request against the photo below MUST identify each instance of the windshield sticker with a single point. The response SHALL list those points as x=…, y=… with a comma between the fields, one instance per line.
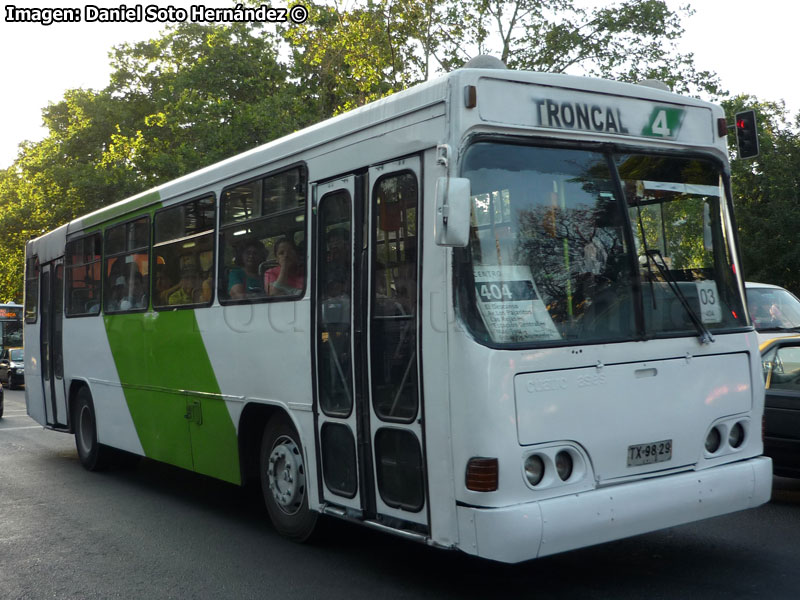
x=707, y=295
x=511, y=306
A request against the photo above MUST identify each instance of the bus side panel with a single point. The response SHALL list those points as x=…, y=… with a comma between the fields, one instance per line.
x=259, y=353
x=434, y=317
x=164, y=369
x=87, y=357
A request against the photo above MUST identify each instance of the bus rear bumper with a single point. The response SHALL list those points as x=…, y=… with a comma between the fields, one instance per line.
x=525, y=531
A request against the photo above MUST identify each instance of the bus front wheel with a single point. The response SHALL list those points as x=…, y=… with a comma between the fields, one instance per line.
x=93, y=455
x=283, y=480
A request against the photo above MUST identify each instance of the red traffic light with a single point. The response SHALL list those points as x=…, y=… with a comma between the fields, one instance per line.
x=747, y=134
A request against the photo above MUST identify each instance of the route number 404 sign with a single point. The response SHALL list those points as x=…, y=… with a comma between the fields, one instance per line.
x=510, y=305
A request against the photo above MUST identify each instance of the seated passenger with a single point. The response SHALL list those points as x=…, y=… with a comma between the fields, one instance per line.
x=163, y=286
x=189, y=285
x=115, y=294
x=136, y=296
x=245, y=281
x=288, y=278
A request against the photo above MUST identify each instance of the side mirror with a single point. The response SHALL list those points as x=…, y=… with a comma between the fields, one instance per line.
x=452, y=211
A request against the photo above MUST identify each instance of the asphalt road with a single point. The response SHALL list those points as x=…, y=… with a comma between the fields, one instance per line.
x=153, y=531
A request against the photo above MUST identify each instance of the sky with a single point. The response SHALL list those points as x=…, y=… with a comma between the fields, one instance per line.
x=38, y=63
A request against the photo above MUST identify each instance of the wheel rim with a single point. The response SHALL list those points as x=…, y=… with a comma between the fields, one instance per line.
x=85, y=430
x=286, y=474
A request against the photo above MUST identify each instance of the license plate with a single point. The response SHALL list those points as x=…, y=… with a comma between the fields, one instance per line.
x=646, y=454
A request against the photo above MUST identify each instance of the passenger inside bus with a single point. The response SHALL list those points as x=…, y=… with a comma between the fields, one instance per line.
x=133, y=290
x=163, y=285
x=288, y=278
x=244, y=280
x=189, y=291
x=337, y=270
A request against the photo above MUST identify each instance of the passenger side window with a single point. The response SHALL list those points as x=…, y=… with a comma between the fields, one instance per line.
x=31, y=289
x=263, y=239
x=183, y=251
x=782, y=369
x=127, y=266
x=83, y=259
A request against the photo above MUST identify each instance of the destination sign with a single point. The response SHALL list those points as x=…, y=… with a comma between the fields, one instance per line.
x=9, y=313
x=580, y=111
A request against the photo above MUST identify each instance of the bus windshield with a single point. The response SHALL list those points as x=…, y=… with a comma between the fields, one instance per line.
x=10, y=325
x=579, y=246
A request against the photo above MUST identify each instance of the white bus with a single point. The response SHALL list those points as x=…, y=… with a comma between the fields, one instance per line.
x=500, y=312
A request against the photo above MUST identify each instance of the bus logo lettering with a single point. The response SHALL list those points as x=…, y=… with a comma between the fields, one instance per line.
x=575, y=115
x=549, y=384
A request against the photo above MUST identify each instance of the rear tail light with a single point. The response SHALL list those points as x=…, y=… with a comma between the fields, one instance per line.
x=482, y=474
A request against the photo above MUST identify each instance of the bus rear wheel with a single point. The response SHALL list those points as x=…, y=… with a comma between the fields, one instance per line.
x=283, y=480
x=93, y=455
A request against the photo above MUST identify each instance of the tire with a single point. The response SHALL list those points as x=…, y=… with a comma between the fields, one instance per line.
x=93, y=456
x=283, y=480
x=10, y=382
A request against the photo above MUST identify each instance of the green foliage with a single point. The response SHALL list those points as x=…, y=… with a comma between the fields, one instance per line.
x=57, y=179
x=200, y=94
x=766, y=194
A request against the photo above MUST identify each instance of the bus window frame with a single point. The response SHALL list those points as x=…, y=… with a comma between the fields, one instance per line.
x=224, y=298
x=67, y=271
x=106, y=256
x=213, y=232
x=34, y=263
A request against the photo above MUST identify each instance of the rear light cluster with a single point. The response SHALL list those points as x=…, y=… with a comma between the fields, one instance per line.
x=548, y=467
x=726, y=436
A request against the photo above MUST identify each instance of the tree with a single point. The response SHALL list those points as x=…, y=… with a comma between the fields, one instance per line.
x=766, y=194
x=627, y=41
x=58, y=179
x=202, y=93
x=345, y=58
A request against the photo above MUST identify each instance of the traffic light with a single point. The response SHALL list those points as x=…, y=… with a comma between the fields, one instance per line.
x=746, y=134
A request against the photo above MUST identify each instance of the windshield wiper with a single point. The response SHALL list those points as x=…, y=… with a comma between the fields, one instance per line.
x=705, y=334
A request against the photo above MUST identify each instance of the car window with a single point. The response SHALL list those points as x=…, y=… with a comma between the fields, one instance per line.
x=773, y=308
x=782, y=368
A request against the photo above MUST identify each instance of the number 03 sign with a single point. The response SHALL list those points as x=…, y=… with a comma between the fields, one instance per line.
x=708, y=297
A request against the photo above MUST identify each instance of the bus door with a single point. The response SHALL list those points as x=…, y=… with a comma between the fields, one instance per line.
x=340, y=402
x=50, y=331
x=396, y=415
x=367, y=382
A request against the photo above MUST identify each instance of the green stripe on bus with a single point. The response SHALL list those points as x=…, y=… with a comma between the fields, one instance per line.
x=163, y=366
x=120, y=211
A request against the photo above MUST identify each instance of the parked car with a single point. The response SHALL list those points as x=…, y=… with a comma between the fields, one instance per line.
x=781, y=361
x=12, y=367
x=775, y=311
